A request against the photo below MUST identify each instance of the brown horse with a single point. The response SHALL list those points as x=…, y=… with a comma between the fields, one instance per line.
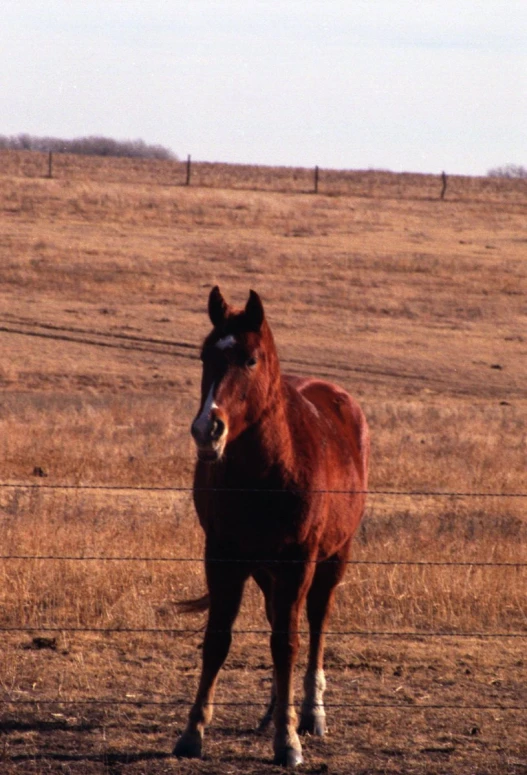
x=279, y=489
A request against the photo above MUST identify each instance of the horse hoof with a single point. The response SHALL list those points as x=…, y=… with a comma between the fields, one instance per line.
x=188, y=746
x=288, y=757
x=313, y=724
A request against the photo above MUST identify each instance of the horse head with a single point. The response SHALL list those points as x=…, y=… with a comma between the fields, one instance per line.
x=240, y=368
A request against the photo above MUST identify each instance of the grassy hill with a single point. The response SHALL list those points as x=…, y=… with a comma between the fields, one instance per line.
x=415, y=305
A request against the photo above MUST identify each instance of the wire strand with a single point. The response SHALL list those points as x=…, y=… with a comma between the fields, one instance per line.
x=233, y=490
x=185, y=703
x=334, y=633
x=263, y=561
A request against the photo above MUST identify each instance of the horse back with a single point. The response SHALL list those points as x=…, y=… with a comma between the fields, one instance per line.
x=341, y=426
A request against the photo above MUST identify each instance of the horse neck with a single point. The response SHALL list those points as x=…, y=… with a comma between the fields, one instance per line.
x=267, y=445
x=273, y=431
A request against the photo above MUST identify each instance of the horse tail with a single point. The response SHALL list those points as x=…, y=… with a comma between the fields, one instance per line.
x=365, y=444
x=196, y=606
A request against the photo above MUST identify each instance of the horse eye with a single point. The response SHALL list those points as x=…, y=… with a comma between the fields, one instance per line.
x=252, y=361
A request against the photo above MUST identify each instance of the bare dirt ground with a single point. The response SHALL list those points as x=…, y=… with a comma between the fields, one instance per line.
x=415, y=305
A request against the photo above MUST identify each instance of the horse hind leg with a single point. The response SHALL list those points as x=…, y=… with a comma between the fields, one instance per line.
x=319, y=603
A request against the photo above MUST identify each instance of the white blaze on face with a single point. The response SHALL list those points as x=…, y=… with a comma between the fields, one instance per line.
x=226, y=342
x=201, y=422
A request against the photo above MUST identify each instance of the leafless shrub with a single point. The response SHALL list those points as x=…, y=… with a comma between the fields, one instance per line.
x=516, y=171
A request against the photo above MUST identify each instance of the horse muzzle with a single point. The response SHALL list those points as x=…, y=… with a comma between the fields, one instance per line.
x=210, y=436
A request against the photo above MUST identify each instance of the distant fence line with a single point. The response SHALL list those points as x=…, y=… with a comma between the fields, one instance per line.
x=302, y=180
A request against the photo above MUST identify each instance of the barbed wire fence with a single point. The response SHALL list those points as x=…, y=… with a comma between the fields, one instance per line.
x=10, y=701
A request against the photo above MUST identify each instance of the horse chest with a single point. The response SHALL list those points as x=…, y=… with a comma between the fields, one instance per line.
x=257, y=521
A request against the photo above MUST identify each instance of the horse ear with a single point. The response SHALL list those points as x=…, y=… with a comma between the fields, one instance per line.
x=254, y=312
x=217, y=307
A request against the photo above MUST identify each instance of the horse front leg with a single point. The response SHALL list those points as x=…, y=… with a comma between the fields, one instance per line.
x=225, y=590
x=288, y=599
x=265, y=582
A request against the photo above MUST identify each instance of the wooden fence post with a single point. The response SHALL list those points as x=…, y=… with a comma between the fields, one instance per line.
x=444, y=179
x=188, y=171
x=316, y=180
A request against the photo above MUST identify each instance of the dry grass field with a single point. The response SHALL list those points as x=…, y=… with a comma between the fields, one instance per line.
x=417, y=306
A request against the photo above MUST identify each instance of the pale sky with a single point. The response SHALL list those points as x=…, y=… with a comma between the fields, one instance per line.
x=405, y=85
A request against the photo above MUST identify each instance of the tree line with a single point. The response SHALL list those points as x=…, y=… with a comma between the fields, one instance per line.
x=91, y=146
